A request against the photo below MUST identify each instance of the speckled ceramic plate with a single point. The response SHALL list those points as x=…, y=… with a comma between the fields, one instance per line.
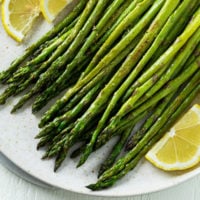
x=18, y=144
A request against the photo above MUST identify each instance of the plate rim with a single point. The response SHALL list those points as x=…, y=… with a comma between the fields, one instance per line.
x=172, y=184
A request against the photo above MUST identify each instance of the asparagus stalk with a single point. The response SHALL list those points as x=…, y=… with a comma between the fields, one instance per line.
x=172, y=70
x=70, y=115
x=122, y=12
x=171, y=86
x=119, y=47
x=168, y=41
x=49, y=115
x=78, y=151
x=19, y=81
x=171, y=22
x=32, y=79
x=7, y=93
x=64, y=135
x=191, y=28
x=122, y=73
x=79, y=57
x=148, y=123
x=131, y=17
x=108, y=133
x=57, y=86
x=62, y=154
x=117, y=148
x=110, y=26
x=43, y=56
x=166, y=57
x=43, y=98
x=175, y=67
x=173, y=113
x=58, y=59
x=48, y=36
x=111, y=128
x=80, y=34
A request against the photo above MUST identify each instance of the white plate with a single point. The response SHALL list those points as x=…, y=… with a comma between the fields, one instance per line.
x=18, y=144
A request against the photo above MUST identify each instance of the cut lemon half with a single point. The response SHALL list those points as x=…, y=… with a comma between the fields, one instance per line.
x=51, y=8
x=18, y=16
x=179, y=149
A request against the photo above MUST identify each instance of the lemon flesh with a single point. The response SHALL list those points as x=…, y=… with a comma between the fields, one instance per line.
x=18, y=17
x=51, y=8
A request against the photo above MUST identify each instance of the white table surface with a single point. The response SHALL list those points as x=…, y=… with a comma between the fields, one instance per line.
x=15, y=188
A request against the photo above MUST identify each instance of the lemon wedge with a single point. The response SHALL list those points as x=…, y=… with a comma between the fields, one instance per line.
x=18, y=16
x=179, y=149
x=51, y=8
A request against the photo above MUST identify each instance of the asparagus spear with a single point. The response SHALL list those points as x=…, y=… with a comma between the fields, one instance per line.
x=78, y=151
x=159, y=123
x=172, y=70
x=171, y=86
x=111, y=24
x=43, y=56
x=62, y=137
x=57, y=86
x=112, y=127
x=175, y=67
x=20, y=80
x=49, y=115
x=66, y=75
x=48, y=36
x=168, y=55
x=117, y=148
x=91, y=39
x=120, y=46
x=87, y=21
x=7, y=93
x=124, y=10
x=62, y=154
x=58, y=59
x=42, y=99
x=173, y=113
x=148, y=123
x=167, y=42
x=191, y=28
x=70, y=115
x=108, y=133
x=122, y=73
x=131, y=17
x=171, y=22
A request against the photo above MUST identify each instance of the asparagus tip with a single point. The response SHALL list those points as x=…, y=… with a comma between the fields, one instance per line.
x=79, y=164
x=37, y=136
x=101, y=171
x=38, y=147
x=128, y=146
x=41, y=124
x=45, y=156
x=14, y=109
x=91, y=187
x=55, y=168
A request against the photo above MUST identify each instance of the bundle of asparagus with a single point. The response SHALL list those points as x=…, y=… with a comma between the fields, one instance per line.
x=124, y=61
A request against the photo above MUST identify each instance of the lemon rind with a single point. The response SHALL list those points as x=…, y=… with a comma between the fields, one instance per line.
x=18, y=36
x=43, y=5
